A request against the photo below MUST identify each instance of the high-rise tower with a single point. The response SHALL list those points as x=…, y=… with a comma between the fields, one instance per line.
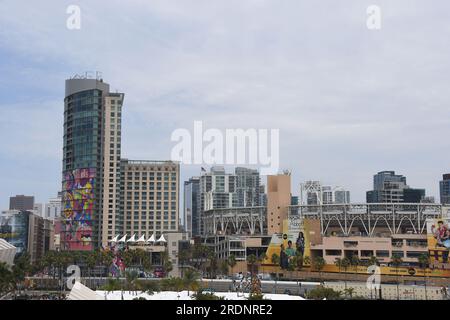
x=91, y=164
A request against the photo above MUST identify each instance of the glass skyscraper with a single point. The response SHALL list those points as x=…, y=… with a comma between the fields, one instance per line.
x=444, y=188
x=91, y=163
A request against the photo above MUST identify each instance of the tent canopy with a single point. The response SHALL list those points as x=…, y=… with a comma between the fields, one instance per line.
x=81, y=292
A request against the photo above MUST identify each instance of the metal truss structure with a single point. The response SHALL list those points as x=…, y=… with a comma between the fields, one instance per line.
x=235, y=221
x=368, y=217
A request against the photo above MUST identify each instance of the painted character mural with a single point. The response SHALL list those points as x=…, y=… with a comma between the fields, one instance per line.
x=78, y=207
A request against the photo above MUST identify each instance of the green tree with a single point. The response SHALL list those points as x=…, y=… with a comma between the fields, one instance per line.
x=201, y=295
x=261, y=258
x=345, y=264
x=252, y=261
x=355, y=262
x=91, y=262
x=112, y=285
x=373, y=260
x=190, y=280
x=184, y=258
x=397, y=261
x=275, y=259
x=232, y=262
x=318, y=263
x=131, y=280
x=424, y=260
x=349, y=292
x=321, y=293
x=6, y=279
x=20, y=270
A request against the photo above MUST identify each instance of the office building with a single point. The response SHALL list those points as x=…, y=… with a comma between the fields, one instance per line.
x=192, y=206
x=27, y=232
x=444, y=189
x=389, y=187
x=21, y=203
x=150, y=195
x=91, y=164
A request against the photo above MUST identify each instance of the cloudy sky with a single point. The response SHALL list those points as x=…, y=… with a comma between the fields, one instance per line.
x=348, y=101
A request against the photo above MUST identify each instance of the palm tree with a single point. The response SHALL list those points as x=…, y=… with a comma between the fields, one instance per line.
x=345, y=263
x=184, y=256
x=190, y=280
x=318, y=263
x=338, y=263
x=275, y=259
x=373, y=260
x=166, y=263
x=21, y=268
x=349, y=292
x=91, y=262
x=262, y=257
x=355, y=262
x=396, y=261
x=423, y=263
x=292, y=265
x=130, y=279
x=223, y=267
x=252, y=260
x=232, y=262
x=6, y=278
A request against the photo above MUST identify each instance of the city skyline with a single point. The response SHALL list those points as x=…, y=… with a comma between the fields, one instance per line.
x=207, y=77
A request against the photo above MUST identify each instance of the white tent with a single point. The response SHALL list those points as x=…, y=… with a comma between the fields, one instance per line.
x=81, y=292
x=132, y=239
x=152, y=238
x=123, y=239
x=7, y=252
x=161, y=239
x=141, y=239
x=115, y=239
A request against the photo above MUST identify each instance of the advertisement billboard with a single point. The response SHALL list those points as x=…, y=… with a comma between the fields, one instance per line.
x=14, y=229
x=438, y=239
x=293, y=242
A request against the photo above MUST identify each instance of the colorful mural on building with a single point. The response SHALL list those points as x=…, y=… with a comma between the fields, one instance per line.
x=78, y=208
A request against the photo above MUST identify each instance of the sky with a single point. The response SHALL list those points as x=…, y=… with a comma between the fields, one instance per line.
x=348, y=101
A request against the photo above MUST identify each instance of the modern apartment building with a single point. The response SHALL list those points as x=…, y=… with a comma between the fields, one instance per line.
x=247, y=187
x=150, y=197
x=389, y=187
x=91, y=164
x=220, y=190
x=341, y=196
x=444, y=189
x=314, y=193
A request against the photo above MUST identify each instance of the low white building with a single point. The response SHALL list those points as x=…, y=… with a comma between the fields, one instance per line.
x=7, y=252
